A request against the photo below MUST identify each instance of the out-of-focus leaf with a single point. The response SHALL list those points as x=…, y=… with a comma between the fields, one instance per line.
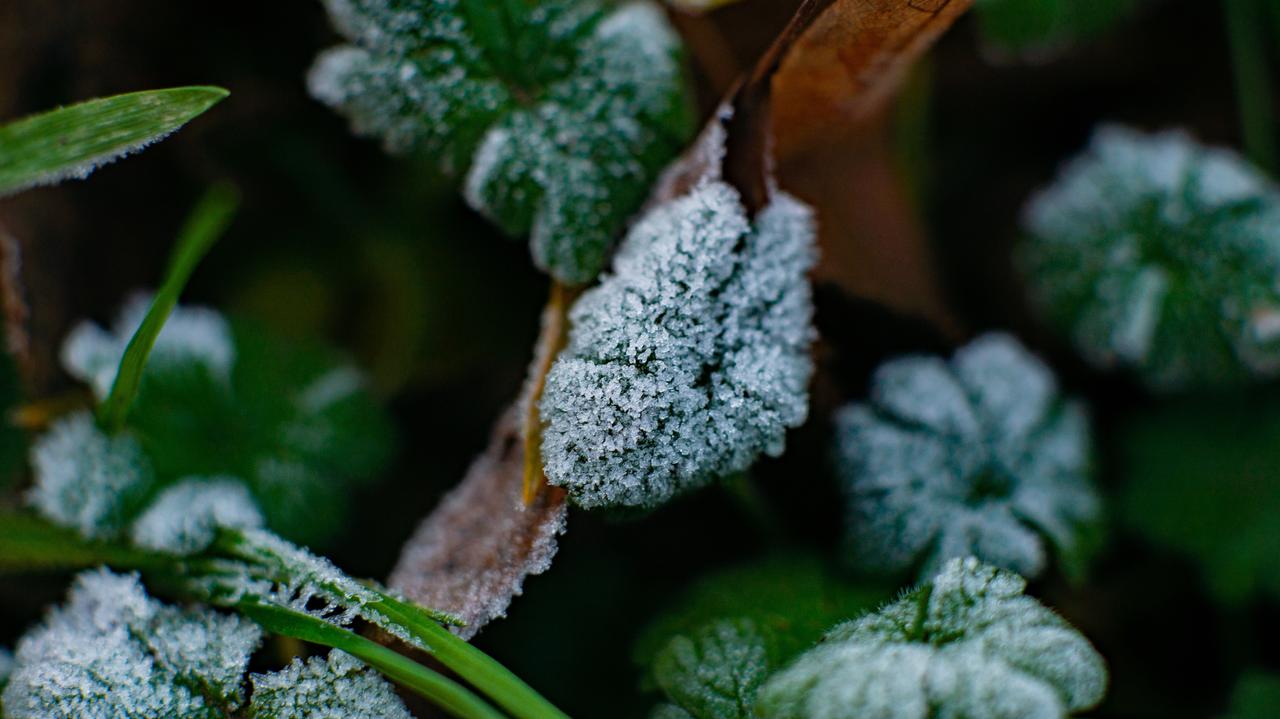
x=710, y=653
x=1203, y=477
x=1256, y=696
x=73, y=141
x=470, y=556
x=1038, y=29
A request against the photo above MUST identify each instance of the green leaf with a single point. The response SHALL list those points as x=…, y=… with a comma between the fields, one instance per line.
x=557, y=115
x=1202, y=480
x=1037, y=29
x=713, y=650
x=72, y=141
x=204, y=226
x=1256, y=696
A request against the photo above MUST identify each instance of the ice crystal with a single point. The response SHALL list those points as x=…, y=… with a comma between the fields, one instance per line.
x=560, y=114
x=1160, y=255
x=113, y=652
x=86, y=479
x=969, y=644
x=191, y=334
x=691, y=359
x=293, y=423
x=979, y=456
x=335, y=687
x=185, y=517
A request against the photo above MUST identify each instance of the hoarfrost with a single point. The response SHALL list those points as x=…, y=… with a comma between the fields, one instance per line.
x=969, y=644
x=184, y=518
x=977, y=456
x=112, y=652
x=86, y=479
x=691, y=359
x=1157, y=254
x=329, y=688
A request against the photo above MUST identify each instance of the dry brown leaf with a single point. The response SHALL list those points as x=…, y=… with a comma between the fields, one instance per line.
x=471, y=555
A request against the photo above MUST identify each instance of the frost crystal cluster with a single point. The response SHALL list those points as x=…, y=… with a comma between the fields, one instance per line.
x=978, y=456
x=246, y=426
x=968, y=644
x=333, y=688
x=691, y=359
x=1160, y=255
x=560, y=113
x=112, y=651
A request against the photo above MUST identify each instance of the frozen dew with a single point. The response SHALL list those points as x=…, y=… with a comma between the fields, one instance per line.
x=1162, y=256
x=976, y=456
x=691, y=359
x=337, y=686
x=967, y=644
x=86, y=479
x=113, y=652
x=185, y=517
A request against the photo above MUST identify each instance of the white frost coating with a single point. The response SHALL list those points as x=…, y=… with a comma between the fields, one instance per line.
x=335, y=687
x=114, y=652
x=968, y=645
x=1158, y=254
x=977, y=456
x=691, y=359
x=186, y=516
x=198, y=334
x=330, y=388
x=86, y=479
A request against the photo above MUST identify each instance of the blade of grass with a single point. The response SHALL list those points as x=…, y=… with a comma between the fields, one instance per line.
x=1246, y=29
x=29, y=543
x=73, y=141
x=444, y=692
x=204, y=226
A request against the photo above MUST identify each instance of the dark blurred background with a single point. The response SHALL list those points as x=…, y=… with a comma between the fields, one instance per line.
x=378, y=254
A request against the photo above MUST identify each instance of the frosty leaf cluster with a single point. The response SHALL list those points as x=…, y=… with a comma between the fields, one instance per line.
x=691, y=359
x=558, y=115
x=231, y=427
x=113, y=651
x=967, y=644
x=1159, y=255
x=976, y=456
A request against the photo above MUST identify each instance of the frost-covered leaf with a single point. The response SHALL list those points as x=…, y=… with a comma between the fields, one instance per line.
x=471, y=555
x=978, y=456
x=88, y=480
x=691, y=359
x=1039, y=29
x=73, y=141
x=1256, y=696
x=112, y=652
x=1201, y=478
x=1160, y=255
x=185, y=517
x=558, y=113
x=967, y=644
x=293, y=421
x=712, y=652
x=325, y=688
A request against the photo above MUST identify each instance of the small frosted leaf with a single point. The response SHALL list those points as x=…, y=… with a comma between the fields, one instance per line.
x=967, y=645
x=691, y=359
x=112, y=651
x=337, y=686
x=1037, y=30
x=557, y=115
x=184, y=518
x=191, y=334
x=73, y=141
x=714, y=672
x=1157, y=254
x=86, y=479
x=977, y=456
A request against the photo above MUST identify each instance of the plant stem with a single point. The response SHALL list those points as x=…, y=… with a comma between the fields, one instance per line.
x=554, y=336
x=484, y=672
x=1245, y=23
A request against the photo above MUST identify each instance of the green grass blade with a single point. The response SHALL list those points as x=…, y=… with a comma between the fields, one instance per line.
x=72, y=141
x=204, y=226
x=31, y=544
x=444, y=692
